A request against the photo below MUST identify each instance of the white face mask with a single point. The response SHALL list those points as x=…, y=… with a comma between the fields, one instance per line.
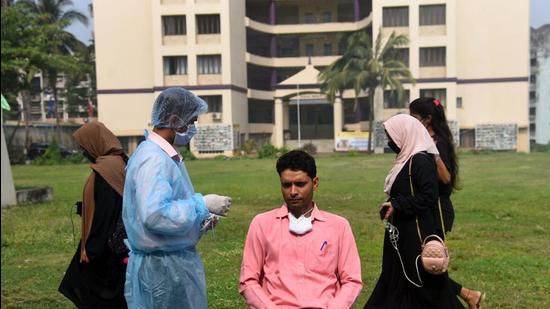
x=300, y=225
x=185, y=138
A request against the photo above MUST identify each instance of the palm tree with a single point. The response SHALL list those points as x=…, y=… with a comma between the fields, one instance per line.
x=364, y=67
x=57, y=12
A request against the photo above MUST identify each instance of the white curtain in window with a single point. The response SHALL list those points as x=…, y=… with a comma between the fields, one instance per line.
x=432, y=14
x=395, y=17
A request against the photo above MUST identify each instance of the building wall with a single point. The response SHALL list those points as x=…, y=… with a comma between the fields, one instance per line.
x=483, y=68
x=486, y=59
x=542, y=118
x=130, y=47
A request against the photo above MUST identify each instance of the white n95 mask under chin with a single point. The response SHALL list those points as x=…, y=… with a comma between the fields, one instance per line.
x=184, y=138
x=300, y=225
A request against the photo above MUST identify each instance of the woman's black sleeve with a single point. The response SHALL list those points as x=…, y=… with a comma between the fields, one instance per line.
x=108, y=206
x=424, y=178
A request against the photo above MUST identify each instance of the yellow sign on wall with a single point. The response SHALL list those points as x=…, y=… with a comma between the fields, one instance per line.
x=346, y=141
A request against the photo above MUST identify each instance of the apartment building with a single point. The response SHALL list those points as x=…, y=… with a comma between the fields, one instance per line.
x=539, y=88
x=256, y=63
x=42, y=106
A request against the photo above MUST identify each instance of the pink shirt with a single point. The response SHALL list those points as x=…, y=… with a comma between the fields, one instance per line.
x=167, y=147
x=320, y=269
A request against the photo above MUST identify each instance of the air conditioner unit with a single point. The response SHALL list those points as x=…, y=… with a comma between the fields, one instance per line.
x=217, y=116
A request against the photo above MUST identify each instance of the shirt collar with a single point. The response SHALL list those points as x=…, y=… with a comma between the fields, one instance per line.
x=316, y=214
x=164, y=145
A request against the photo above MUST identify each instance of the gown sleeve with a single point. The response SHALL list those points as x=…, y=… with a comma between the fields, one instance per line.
x=157, y=208
x=108, y=205
x=424, y=179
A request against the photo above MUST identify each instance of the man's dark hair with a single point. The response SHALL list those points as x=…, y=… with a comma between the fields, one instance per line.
x=297, y=160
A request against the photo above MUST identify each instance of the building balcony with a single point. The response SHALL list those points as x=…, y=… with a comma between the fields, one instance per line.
x=289, y=61
x=309, y=27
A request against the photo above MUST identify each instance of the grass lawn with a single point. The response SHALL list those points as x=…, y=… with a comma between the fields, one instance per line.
x=499, y=243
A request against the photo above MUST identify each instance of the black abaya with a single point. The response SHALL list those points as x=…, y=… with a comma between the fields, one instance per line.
x=99, y=283
x=393, y=290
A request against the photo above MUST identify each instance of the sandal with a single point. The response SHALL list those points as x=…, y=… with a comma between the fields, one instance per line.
x=477, y=305
x=481, y=298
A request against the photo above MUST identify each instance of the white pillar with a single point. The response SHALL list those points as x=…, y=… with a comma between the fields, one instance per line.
x=8, y=190
x=278, y=131
x=338, y=115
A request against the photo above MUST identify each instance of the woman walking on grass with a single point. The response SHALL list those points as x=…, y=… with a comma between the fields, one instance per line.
x=431, y=113
x=412, y=191
x=95, y=278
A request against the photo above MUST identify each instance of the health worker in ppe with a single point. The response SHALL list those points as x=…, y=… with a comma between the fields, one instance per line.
x=163, y=216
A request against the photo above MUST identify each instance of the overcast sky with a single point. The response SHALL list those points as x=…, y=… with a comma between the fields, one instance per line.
x=540, y=15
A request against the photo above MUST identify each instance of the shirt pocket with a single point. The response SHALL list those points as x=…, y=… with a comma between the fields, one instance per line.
x=322, y=256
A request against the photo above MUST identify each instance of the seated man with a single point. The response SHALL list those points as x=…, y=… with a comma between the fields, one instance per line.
x=298, y=256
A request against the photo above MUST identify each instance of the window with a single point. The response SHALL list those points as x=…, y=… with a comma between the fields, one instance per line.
x=211, y=64
x=175, y=65
x=391, y=99
x=401, y=54
x=174, y=25
x=36, y=86
x=353, y=114
x=327, y=17
x=440, y=94
x=260, y=111
x=532, y=95
x=309, y=18
x=208, y=24
x=458, y=102
x=432, y=15
x=327, y=49
x=214, y=103
x=533, y=78
x=432, y=57
x=395, y=16
x=309, y=50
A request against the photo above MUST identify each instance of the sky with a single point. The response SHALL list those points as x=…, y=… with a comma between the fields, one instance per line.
x=82, y=32
x=540, y=15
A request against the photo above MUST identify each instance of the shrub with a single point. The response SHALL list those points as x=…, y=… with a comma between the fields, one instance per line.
x=76, y=158
x=353, y=153
x=186, y=154
x=52, y=156
x=309, y=148
x=267, y=151
x=250, y=146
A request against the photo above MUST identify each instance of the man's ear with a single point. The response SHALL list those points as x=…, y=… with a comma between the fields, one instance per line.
x=315, y=183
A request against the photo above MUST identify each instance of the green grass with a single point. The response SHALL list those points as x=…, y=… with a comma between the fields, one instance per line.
x=499, y=243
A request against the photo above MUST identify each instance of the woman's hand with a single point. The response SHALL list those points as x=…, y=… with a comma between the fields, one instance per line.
x=386, y=210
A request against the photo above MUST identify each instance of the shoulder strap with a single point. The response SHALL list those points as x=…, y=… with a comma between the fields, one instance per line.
x=412, y=193
x=438, y=204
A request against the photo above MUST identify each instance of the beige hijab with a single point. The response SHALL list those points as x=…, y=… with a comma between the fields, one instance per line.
x=412, y=137
x=103, y=145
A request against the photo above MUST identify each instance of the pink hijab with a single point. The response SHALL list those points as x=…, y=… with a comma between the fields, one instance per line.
x=412, y=137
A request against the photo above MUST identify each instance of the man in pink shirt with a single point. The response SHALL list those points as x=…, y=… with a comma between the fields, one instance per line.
x=298, y=256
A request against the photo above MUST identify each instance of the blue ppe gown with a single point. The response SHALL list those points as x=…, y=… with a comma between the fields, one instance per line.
x=162, y=215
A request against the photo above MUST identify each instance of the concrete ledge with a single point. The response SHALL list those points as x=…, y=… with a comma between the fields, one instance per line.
x=34, y=195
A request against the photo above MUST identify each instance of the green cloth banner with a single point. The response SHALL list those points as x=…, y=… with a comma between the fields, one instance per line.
x=5, y=104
